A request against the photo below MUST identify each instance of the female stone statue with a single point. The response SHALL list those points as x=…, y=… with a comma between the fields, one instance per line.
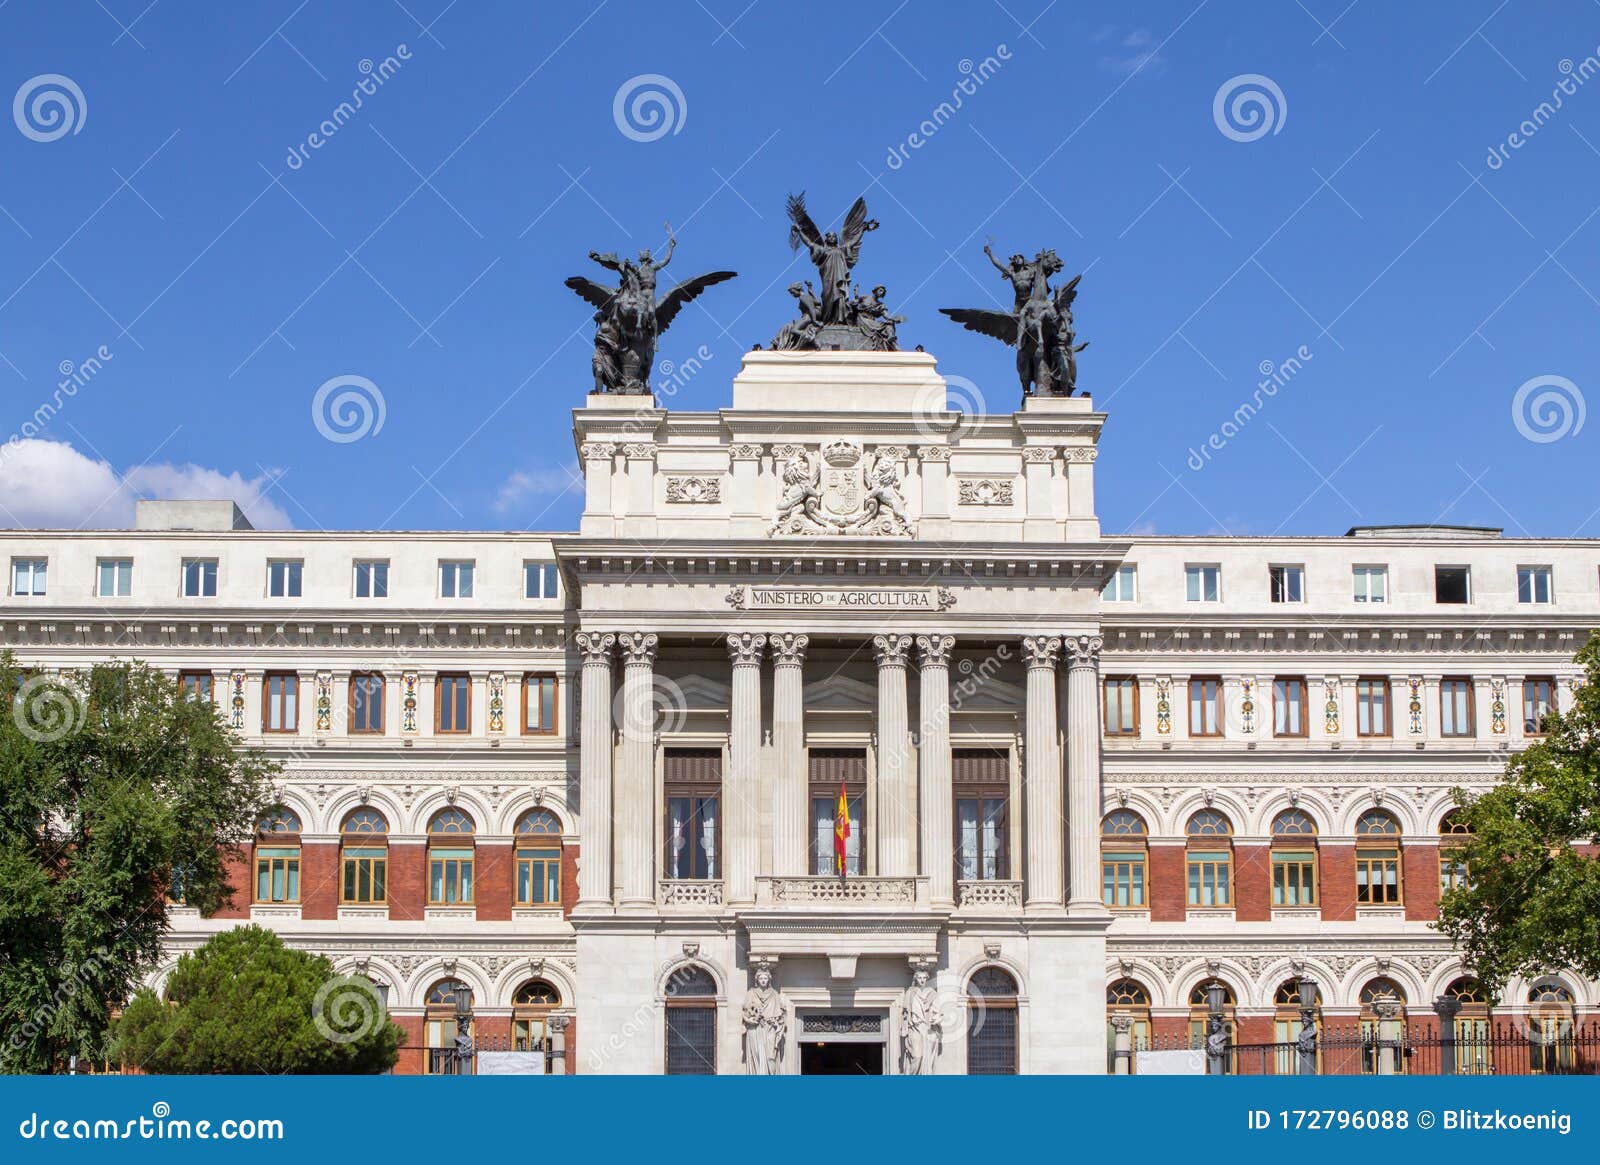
x=766, y=1022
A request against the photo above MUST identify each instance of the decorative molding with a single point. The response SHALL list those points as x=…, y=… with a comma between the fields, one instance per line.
x=1036, y=454
x=985, y=491
x=639, y=451
x=1414, y=705
x=1247, y=705
x=744, y=452
x=236, y=700
x=1497, y=706
x=497, y=702
x=1330, y=706
x=1080, y=454
x=1163, y=707
x=599, y=450
x=843, y=490
x=694, y=490
x=408, y=703
x=933, y=452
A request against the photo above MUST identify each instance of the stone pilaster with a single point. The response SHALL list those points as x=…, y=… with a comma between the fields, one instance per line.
x=594, y=770
x=635, y=784
x=1042, y=777
x=896, y=800
x=788, y=749
x=741, y=789
x=933, y=763
x=1083, y=773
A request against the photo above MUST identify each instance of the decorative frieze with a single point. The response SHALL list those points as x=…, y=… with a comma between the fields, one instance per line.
x=1414, y=705
x=497, y=702
x=1330, y=706
x=876, y=599
x=694, y=490
x=1163, y=707
x=639, y=451
x=1036, y=454
x=933, y=452
x=1497, y=706
x=324, y=701
x=236, y=699
x=599, y=450
x=408, y=702
x=843, y=489
x=1247, y=706
x=985, y=491
x=744, y=452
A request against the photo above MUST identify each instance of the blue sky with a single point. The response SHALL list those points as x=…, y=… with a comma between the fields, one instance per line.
x=422, y=246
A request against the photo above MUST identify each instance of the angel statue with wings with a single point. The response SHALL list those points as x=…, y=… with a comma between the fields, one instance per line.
x=1039, y=326
x=834, y=254
x=629, y=317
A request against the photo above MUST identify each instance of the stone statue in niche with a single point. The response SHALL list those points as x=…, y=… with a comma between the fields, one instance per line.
x=921, y=1026
x=766, y=1026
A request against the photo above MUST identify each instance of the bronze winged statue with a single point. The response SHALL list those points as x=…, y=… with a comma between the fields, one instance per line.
x=833, y=317
x=1039, y=326
x=629, y=318
x=834, y=254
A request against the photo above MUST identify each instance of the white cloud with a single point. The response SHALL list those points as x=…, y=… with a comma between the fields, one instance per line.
x=50, y=485
x=525, y=484
x=1136, y=51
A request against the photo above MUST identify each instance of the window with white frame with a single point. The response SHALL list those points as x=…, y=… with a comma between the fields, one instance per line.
x=1204, y=583
x=28, y=576
x=283, y=578
x=1371, y=584
x=1287, y=583
x=199, y=578
x=1123, y=586
x=113, y=578
x=372, y=579
x=1533, y=585
x=540, y=580
x=455, y=580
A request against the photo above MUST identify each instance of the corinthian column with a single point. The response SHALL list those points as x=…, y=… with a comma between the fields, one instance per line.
x=594, y=770
x=933, y=767
x=1083, y=774
x=789, y=754
x=897, y=799
x=741, y=789
x=636, y=800
x=1042, y=775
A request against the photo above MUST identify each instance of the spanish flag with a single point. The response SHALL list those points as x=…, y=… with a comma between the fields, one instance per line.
x=841, y=830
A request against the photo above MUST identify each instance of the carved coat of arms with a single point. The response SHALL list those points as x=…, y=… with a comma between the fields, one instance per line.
x=843, y=489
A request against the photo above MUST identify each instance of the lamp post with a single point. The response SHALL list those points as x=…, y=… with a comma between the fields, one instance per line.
x=463, y=1032
x=1306, y=989
x=1447, y=1007
x=1216, y=1031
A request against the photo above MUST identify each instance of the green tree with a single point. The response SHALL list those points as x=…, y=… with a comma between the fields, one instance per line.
x=244, y=1003
x=110, y=780
x=1533, y=905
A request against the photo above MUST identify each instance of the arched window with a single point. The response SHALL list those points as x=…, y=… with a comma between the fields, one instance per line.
x=1287, y=1021
x=364, y=858
x=450, y=858
x=1375, y=997
x=448, y=1026
x=991, y=1023
x=1474, y=1048
x=278, y=856
x=1551, y=1046
x=1128, y=997
x=1200, y=1012
x=1210, y=859
x=530, y=1017
x=1294, y=859
x=1124, y=859
x=1454, y=834
x=691, y=998
x=1378, y=859
x=538, y=859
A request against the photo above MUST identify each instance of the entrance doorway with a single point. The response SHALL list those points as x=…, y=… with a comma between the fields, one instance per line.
x=841, y=1059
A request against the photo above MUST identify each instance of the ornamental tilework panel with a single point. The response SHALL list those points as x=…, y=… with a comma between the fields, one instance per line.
x=408, y=701
x=324, y=701
x=1414, y=704
x=1163, y=707
x=1497, y=707
x=236, y=700
x=497, y=701
x=1247, y=706
x=1330, y=707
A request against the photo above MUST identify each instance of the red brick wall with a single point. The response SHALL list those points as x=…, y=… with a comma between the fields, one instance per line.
x=236, y=867
x=1167, y=890
x=319, y=879
x=569, y=879
x=1419, y=873
x=572, y=1046
x=494, y=869
x=1252, y=890
x=1337, y=868
x=408, y=881
x=413, y=1061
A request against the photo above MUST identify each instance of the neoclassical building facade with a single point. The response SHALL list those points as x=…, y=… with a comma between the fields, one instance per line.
x=581, y=791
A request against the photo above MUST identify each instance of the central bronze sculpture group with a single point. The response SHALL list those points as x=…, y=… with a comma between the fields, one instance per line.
x=834, y=314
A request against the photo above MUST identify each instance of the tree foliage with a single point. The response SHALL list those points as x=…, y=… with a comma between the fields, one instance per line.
x=110, y=780
x=1533, y=906
x=244, y=1003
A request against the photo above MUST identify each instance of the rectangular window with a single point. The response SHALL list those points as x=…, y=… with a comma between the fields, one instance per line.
x=1372, y=584
x=372, y=580
x=1533, y=585
x=1452, y=870
x=1122, y=877
x=28, y=577
x=1205, y=706
x=1122, y=587
x=1452, y=584
x=1372, y=707
x=539, y=704
x=981, y=836
x=1377, y=876
x=1455, y=707
x=196, y=685
x=827, y=769
x=1294, y=878
x=455, y=580
x=449, y=877
x=365, y=872
x=281, y=711
x=366, y=702
x=1538, y=701
x=1287, y=584
x=1209, y=876
x=278, y=873
x=114, y=578
x=1204, y=583
x=538, y=876
x=540, y=580
x=1289, y=707
x=199, y=578
x=1122, y=706
x=692, y=781
x=283, y=579
x=691, y=1039
x=452, y=704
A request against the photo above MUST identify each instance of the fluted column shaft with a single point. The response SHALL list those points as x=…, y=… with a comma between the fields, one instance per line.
x=1042, y=775
x=897, y=798
x=1083, y=773
x=789, y=816
x=933, y=764
x=741, y=788
x=594, y=770
x=636, y=779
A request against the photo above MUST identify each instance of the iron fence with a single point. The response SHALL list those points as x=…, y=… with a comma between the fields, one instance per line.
x=462, y=1060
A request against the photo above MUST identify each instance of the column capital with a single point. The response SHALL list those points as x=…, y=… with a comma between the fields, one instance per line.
x=639, y=647
x=934, y=650
x=1122, y=1022
x=788, y=648
x=891, y=650
x=744, y=647
x=595, y=646
x=599, y=450
x=1041, y=650
x=1083, y=650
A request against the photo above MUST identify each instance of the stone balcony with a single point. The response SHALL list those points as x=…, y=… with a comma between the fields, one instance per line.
x=988, y=894
x=689, y=893
x=850, y=891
